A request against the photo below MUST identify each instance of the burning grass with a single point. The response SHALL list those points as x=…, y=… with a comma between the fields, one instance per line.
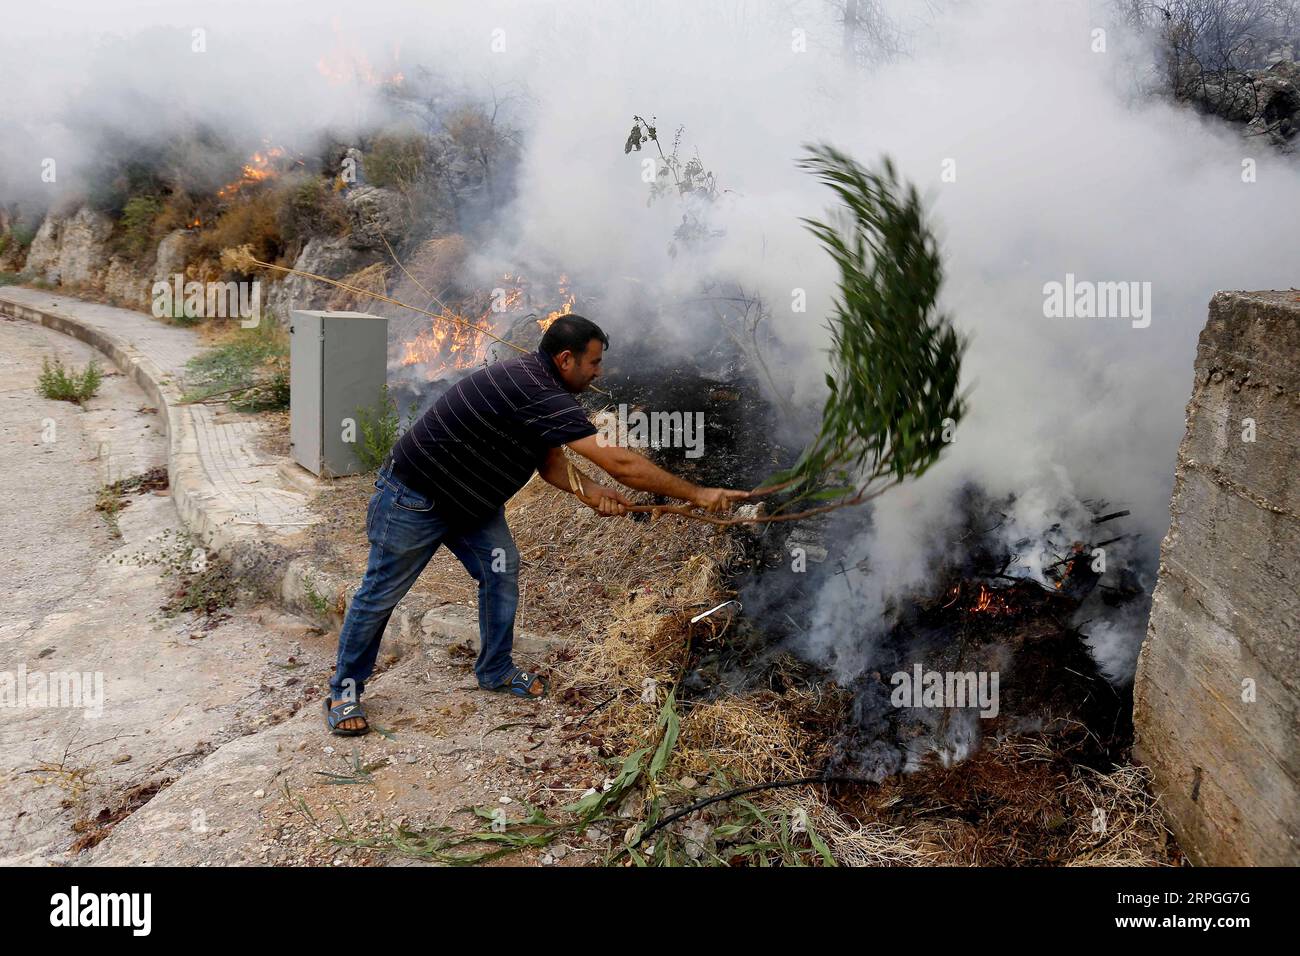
x=1024, y=799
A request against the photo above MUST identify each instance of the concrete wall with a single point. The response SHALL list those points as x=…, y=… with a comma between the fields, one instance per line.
x=1226, y=611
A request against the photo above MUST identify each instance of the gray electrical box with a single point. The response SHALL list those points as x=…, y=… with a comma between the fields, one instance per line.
x=338, y=363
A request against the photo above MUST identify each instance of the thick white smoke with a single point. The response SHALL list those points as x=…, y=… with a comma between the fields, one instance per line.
x=1061, y=167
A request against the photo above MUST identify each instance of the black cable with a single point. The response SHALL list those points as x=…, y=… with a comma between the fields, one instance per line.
x=742, y=791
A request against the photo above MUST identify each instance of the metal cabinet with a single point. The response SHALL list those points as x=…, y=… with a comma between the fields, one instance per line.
x=338, y=365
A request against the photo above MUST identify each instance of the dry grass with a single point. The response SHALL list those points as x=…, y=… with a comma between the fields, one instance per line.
x=1020, y=802
x=749, y=739
x=860, y=843
x=253, y=222
x=435, y=266
x=373, y=278
x=585, y=569
x=634, y=646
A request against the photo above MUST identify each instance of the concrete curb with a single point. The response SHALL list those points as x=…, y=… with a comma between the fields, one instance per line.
x=268, y=566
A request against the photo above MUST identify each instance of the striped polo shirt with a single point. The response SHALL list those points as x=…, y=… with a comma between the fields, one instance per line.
x=482, y=440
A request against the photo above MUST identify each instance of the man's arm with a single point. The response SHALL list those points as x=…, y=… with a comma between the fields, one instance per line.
x=637, y=471
x=607, y=501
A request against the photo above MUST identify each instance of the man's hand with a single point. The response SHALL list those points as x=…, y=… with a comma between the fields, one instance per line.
x=606, y=501
x=636, y=471
x=716, y=499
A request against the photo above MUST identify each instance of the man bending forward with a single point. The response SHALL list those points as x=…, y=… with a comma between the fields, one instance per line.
x=447, y=482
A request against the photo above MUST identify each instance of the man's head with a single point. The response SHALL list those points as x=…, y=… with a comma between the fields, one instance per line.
x=576, y=345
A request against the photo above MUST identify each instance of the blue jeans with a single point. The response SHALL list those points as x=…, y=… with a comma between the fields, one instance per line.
x=404, y=532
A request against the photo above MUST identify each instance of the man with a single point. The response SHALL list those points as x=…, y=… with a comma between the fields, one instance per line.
x=447, y=482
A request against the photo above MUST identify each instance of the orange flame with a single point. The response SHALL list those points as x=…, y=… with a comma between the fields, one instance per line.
x=443, y=345
x=261, y=166
x=990, y=602
x=565, y=309
x=510, y=300
x=448, y=345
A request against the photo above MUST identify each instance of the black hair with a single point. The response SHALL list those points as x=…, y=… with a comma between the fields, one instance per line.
x=571, y=333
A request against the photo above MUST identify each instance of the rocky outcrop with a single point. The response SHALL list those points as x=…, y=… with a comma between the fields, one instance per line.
x=126, y=287
x=83, y=253
x=13, y=239
x=374, y=213
x=1217, y=692
x=1266, y=101
x=173, y=252
x=43, y=256
x=72, y=251
x=12, y=253
x=333, y=257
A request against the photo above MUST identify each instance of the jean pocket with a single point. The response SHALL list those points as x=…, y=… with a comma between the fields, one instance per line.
x=409, y=500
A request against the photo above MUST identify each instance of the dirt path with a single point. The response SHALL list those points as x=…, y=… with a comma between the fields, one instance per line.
x=207, y=745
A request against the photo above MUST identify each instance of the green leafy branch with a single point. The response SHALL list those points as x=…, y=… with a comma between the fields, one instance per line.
x=895, y=359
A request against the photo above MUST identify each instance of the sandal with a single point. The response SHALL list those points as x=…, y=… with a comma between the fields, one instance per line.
x=345, y=710
x=519, y=684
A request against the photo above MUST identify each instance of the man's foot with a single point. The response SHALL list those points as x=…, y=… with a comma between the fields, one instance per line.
x=345, y=717
x=522, y=684
x=352, y=723
x=536, y=688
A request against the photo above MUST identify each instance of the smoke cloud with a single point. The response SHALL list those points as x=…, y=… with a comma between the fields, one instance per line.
x=1039, y=156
